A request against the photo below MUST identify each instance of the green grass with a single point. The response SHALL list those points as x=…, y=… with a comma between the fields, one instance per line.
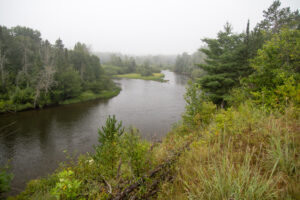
x=88, y=95
x=154, y=77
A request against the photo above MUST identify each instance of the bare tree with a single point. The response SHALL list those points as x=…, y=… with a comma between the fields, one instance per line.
x=44, y=83
x=2, y=64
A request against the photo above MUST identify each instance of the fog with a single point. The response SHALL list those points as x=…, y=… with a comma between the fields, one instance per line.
x=137, y=27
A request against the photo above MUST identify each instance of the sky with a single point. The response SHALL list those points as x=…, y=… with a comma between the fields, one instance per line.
x=136, y=27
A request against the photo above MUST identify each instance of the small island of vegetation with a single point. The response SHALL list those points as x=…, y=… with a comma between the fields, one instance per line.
x=154, y=76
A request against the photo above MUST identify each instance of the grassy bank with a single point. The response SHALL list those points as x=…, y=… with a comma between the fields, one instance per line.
x=240, y=153
x=154, y=77
x=87, y=96
x=9, y=106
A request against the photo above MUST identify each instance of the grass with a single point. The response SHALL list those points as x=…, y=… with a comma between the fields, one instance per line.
x=244, y=153
x=88, y=95
x=154, y=77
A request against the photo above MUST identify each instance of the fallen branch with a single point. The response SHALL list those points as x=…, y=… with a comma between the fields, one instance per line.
x=107, y=184
x=151, y=174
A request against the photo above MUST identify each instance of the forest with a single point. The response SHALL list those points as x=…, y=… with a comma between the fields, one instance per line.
x=36, y=73
x=238, y=138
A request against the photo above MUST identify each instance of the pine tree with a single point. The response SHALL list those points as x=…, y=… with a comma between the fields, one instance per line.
x=226, y=63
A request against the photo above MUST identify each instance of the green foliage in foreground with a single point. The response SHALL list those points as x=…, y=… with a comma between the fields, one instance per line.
x=5, y=179
x=120, y=155
x=67, y=186
x=154, y=76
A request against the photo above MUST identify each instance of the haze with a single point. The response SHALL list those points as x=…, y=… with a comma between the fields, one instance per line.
x=134, y=26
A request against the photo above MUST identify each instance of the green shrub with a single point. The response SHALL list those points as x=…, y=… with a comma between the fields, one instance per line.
x=67, y=187
x=21, y=96
x=6, y=105
x=107, y=152
x=135, y=152
x=5, y=179
x=279, y=96
x=198, y=110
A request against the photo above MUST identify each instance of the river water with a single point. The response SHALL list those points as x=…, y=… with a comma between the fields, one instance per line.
x=35, y=144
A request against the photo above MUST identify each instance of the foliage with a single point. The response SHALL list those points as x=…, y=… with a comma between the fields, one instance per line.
x=226, y=63
x=275, y=81
x=111, y=131
x=107, y=151
x=34, y=73
x=67, y=187
x=243, y=153
x=5, y=179
x=275, y=18
x=198, y=111
x=135, y=152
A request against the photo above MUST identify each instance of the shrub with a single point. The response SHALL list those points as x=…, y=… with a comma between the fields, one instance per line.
x=67, y=187
x=107, y=152
x=135, y=151
x=5, y=179
x=198, y=109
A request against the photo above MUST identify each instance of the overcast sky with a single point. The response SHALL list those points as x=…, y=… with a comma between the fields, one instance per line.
x=134, y=26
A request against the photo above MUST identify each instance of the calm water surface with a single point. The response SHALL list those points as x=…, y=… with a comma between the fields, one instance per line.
x=38, y=138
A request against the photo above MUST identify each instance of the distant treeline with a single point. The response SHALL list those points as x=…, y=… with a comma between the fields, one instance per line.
x=119, y=64
x=187, y=64
x=35, y=73
x=156, y=60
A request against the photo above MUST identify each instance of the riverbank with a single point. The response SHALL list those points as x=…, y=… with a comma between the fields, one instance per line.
x=9, y=107
x=155, y=77
x=249, y=158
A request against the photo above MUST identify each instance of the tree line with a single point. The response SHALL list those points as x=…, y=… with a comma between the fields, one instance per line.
x=35, y=73
x=127, y=64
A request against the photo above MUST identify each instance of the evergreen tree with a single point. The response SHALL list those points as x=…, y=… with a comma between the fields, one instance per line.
x=226, y=63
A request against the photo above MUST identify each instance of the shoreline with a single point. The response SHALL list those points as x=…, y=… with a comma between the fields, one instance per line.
x=83, y=97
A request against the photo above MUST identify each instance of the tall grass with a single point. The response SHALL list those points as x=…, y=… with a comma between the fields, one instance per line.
x=244, y=153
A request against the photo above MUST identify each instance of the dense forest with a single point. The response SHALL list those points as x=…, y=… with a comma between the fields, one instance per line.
x=238, y=139
x=35, y=73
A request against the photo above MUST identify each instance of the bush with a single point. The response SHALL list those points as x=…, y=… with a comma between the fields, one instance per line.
x=5, y=179
x=67, y=187
x=135, y=152
x=279, y=96
x=198, y=110
x=107, y=152
x=22, y=96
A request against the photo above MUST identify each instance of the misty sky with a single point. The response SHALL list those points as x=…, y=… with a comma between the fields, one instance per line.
x=134, y=26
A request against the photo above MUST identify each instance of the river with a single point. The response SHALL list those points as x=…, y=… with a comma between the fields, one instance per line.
x=38, y=138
